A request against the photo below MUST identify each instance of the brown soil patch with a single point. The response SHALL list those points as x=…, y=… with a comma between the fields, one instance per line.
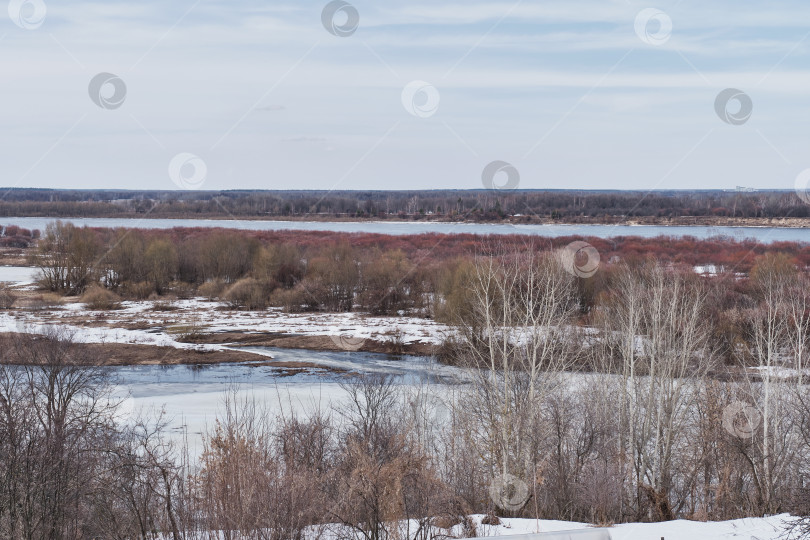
x=126, y=354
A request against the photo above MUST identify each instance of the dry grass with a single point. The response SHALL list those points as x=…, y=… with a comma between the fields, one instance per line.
x=100, y=299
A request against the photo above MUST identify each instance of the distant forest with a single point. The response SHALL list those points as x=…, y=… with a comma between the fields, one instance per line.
x=450, y=205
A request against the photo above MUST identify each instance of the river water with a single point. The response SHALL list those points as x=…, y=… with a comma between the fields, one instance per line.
x=18, y=275
x=762, y=234
x=192, y=396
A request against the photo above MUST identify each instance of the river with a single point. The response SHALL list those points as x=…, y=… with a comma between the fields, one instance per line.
x=192, y=396
x=762, y=234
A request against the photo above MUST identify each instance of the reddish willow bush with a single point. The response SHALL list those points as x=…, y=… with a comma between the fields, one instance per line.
x=13, y=236
x=738, y=255
x=331, y=271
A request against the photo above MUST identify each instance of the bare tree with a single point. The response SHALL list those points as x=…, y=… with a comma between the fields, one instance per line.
x=655, y=323
x=777, y=329
x=66, y=256
x=516, y=338
x=383, y=481
x=56, y=414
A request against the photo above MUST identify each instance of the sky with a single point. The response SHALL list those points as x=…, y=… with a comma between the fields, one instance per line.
x=391, y=94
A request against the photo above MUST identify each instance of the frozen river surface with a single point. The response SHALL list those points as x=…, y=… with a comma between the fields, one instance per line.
x=192, y=396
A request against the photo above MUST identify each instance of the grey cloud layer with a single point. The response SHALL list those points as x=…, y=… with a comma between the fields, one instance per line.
x=610, y=110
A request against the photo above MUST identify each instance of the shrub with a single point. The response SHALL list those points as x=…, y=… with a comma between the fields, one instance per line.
x=247, y=293
x=140, y=290
x=7, y=296
x=99, y=298
x=453, y=302
x=187, y=333
x=182, y=290
x=162, y=263
x=333, y=277
x=211, y=289
x=389, y=283
x=290, y=300
x=163, y=306
x=396, y=341
x=281, y=262
x=226, y=256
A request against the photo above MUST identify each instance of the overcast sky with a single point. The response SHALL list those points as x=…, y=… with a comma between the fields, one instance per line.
x=573, y=94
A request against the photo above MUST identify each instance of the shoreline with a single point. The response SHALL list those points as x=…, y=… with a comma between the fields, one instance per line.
x=135, y=354
x=131, y=354
x=198, y=331
x=316, y=342
x=126, y=355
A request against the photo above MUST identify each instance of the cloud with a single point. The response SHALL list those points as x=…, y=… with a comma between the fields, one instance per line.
x=304, y=139
x=195, y=72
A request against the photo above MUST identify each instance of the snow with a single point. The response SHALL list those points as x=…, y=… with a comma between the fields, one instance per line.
x=191, y=409
x=779, y=372
x=707, y=270
x=768, y=528
x=18, y=275
x=162, y=327
x=36, y=323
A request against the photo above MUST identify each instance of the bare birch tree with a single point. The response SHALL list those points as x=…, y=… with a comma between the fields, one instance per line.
x=516, y=340
x=777, y=331
x=655, y=324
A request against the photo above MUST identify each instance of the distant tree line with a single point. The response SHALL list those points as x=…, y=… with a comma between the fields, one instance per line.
x=461, y=205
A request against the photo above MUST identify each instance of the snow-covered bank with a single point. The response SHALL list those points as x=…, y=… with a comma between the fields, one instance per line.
x=139, y=322
x=768, y=528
